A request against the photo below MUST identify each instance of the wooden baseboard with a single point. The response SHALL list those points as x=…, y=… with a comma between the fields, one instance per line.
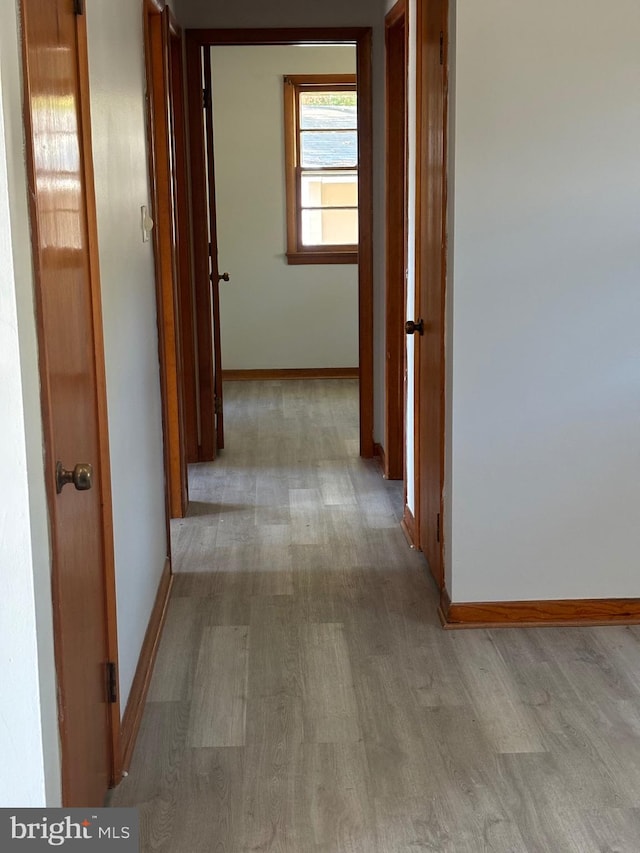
x=291, y=373
x=562, y=613
x=408, y=525
x=141, y=680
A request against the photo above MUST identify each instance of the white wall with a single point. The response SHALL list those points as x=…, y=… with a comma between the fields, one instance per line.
x=129, y=314
x=273, y=315
x=28, y=714
x=546, y=301
x=324, y=13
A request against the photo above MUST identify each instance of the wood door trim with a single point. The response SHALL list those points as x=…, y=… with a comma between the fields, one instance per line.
x=365, y=246
x=101, y=403
x=132, y=716
x=396, y=14
x=168, y=308
x=396, y=239
x=362, y=38
x=551, y=613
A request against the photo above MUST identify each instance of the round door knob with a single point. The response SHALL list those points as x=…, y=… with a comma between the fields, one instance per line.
x=413, y=326
x=224, y=277
x=81, y=477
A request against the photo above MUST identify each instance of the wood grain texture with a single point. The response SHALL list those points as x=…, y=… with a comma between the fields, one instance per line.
x=218, y=709
x=497, y=614
x=184, y=266
x=65, y=257
x=431, y=277
x=164, y=214
x=366, y=727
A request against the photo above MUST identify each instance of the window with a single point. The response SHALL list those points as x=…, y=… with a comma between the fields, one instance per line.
x=321, y=161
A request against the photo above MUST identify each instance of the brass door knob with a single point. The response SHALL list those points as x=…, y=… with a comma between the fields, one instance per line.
x=81, y=477
x=411, y=327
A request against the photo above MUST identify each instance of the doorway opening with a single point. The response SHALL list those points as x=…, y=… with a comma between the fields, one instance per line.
x=244, y=310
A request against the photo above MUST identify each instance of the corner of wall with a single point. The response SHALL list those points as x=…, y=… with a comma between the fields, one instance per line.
x=28, y=592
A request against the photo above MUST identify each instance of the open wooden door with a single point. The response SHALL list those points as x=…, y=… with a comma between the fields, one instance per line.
x=431, y=28
x=203, y=296
x=396, y=238
x=215, y=276
x=64, y=240
x=183, y=241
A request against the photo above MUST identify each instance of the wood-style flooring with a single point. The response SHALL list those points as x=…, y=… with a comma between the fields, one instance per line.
x=306, y=700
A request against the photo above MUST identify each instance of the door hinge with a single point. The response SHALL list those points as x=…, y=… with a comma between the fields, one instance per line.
x=78, y=7
x=441, y=47
x=217, y=405
x=112, y=683
x=438, y=528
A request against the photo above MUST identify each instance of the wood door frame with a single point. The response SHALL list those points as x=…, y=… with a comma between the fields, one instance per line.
x=183, y=234
x=422, y=263
x=104, y=479
x=166, y=240
x=396, y=132
x=361, y=38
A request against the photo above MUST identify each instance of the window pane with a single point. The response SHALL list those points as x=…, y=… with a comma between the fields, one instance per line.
x=329, y=227
x=339, y=189
x=328, y=148
x=328, y=110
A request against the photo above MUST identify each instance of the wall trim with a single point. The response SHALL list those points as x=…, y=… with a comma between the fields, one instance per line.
x=579, y=612
x=291, y=373
x=408, y=525
x=140, y=687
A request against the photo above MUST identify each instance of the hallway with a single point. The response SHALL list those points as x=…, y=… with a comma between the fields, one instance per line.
x=305, y=698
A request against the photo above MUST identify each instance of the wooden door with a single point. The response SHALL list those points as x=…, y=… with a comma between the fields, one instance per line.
x=207, y=438
x=396, y=238
x=73, y=392
x=431, y=31
x=183, y=243
x=214, y=274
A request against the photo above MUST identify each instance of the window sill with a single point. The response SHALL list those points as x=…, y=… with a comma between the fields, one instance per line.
x=298, y=258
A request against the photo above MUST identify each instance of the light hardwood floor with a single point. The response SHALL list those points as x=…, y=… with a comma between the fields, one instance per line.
x=306, y=700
